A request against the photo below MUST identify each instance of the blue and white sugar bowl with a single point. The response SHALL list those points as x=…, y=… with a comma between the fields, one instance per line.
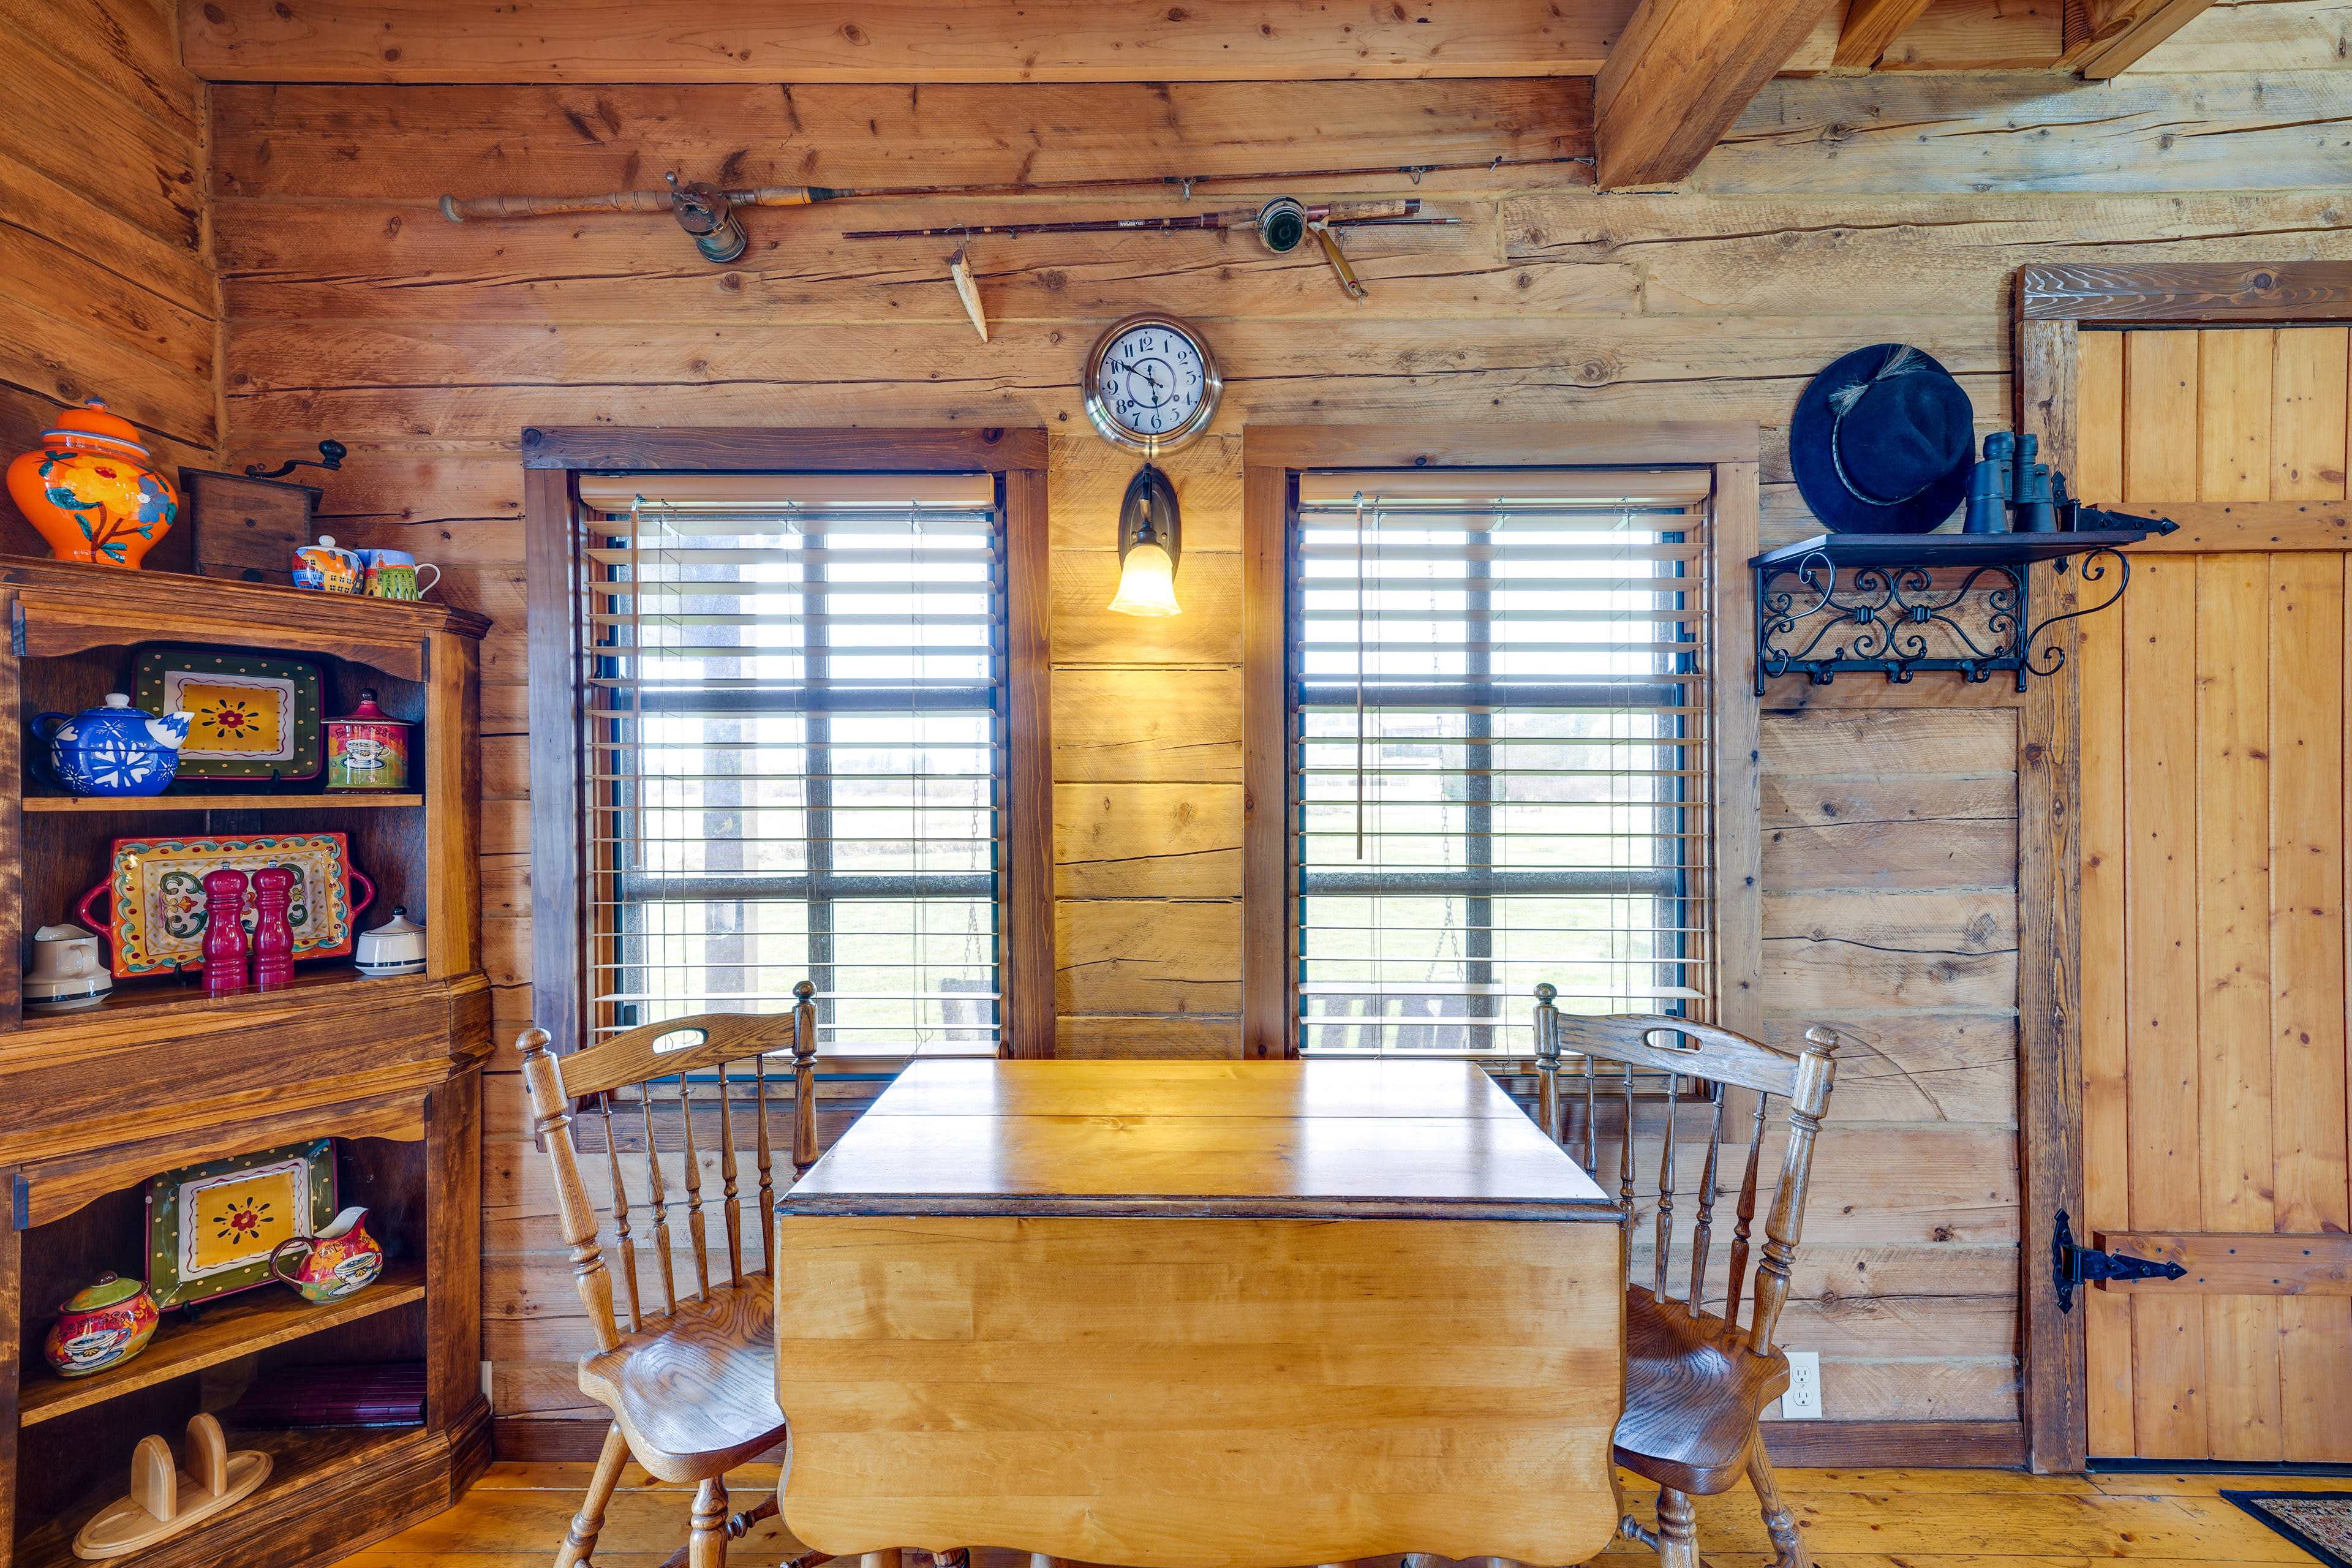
x=117, y=750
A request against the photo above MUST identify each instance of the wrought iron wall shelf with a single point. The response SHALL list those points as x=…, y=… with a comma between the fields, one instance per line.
x=1896, y=603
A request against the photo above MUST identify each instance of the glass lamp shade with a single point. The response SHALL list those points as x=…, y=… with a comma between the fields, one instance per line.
x=1147, y=582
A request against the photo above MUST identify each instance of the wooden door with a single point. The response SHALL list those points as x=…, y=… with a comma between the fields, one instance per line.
x=2214, y=746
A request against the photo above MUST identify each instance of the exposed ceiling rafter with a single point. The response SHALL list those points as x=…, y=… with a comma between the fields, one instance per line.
x=1681, y=75
x=2115, y=34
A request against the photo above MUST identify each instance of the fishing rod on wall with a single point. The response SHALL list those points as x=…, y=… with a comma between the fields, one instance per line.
x=708, y=213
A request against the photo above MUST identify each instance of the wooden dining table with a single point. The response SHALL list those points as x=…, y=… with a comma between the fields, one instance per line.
x=1207, y=1314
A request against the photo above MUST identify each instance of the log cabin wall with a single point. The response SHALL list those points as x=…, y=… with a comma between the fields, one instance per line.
x=106, y=280
x=1839, y=212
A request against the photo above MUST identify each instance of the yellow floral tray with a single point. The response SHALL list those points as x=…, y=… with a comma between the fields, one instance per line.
x=157, y=916
x=256, y=717
x=210, y=1227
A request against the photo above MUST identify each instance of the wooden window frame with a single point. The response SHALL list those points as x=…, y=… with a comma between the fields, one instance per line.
x=552, y=459
x=2053, y=304
x=1271, y=455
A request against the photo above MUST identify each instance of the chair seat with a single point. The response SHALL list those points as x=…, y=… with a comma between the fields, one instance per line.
x=1692, y=1396
x=695, y=1391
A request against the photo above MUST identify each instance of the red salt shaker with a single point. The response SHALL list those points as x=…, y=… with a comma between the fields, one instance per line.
x=225, y=930
x=273, y=933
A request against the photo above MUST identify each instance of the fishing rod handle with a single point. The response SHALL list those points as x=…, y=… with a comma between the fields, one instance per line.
x=1346, y=212
x=459, y=209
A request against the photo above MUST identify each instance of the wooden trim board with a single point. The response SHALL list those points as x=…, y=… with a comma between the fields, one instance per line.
x=2181, y=293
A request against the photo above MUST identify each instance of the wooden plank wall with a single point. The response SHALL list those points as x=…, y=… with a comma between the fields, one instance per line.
x=1890, y=913
x=106, y=283
x=2214, y=755
x=356, y=311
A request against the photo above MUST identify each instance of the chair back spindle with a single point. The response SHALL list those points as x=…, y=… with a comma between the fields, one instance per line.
x=692, y=1161
x=804, y=1151
x=734, y=1204
x=643, y=1063
x=1712, y=1063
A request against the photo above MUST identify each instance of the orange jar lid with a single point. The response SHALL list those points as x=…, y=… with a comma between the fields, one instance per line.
x=91, y=422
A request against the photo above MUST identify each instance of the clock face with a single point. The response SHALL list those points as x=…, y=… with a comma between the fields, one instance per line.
x=1150, y=386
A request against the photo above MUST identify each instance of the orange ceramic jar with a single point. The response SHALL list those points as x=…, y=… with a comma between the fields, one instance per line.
x=91, y=491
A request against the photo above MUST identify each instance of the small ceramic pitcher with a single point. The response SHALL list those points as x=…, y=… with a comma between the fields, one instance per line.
x=342, y=1259
x=327, y=567
x=392, y=575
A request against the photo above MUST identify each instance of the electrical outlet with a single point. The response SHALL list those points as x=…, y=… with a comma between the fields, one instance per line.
x=1803, y=1402
x=485, y=1381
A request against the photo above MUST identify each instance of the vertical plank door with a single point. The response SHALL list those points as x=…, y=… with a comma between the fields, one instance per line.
x=2214, y=822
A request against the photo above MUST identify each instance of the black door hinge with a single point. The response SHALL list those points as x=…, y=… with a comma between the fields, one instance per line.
x=2071, y=1264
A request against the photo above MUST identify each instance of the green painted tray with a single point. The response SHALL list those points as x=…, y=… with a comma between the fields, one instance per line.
x=256, y=717
x=210, y=1228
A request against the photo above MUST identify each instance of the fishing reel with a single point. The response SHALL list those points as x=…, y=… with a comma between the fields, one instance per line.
x=1282, y=224
x=702, y=210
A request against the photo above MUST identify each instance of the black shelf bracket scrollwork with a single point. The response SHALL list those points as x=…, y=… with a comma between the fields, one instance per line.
x=1897, y=604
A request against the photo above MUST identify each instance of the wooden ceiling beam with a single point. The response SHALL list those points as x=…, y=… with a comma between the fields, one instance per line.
x=1872, y=26
x=2115, y=34
x=1681, y=75
x=903, y=41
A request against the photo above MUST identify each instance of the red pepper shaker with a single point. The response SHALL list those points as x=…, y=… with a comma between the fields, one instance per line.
x=273, y=933
x=225, y=930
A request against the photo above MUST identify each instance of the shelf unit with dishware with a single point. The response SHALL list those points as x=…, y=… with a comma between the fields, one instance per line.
x=161, y=1074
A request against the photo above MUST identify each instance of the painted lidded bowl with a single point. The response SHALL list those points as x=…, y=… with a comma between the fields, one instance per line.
x=102, y=1326
x=117, y=750
x=90, y=489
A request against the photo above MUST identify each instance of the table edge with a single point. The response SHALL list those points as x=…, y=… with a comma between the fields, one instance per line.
x=1203, y=1207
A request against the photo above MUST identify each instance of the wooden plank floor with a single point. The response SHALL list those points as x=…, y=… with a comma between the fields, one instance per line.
x=515, y=1517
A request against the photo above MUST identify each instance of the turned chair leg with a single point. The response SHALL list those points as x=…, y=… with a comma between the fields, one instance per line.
x=706, y=1543
x=1678, y=1529
x=579, y=1543
x=1787, y=1541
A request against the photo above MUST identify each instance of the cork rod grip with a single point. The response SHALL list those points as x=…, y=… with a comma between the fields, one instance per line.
x=458, y=209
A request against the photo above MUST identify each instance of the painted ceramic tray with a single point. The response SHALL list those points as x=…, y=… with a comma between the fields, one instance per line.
x=210, y=1227
x=256, y=717
x=157, y=890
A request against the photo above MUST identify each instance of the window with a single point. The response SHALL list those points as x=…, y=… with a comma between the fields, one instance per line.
x=1497, y=749
x=795, y=731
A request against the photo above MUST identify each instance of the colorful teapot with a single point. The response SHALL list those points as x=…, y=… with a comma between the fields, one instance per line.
x=327, y=567
x=91, y=491
x=117, y=750
x=103, y=1326
x=344, y=1259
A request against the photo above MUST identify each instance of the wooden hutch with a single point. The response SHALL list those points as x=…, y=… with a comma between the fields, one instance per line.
x=94, y=1102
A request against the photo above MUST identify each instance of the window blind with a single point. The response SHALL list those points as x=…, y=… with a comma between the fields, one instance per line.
x=794, y=759
x=1498, y=753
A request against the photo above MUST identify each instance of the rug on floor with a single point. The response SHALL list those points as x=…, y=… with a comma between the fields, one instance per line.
x=2319, y=1522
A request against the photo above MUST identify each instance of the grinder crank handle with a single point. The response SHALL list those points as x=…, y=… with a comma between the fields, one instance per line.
x=1339, y=260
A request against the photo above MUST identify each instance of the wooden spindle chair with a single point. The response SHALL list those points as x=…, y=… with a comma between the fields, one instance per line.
x=1696, y=1380
x=692, y=1383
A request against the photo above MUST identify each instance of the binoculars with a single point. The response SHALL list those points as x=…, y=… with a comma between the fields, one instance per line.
x=2009, y=493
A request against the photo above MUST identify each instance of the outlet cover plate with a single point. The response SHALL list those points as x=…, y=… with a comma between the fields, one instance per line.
x=1803, y=1402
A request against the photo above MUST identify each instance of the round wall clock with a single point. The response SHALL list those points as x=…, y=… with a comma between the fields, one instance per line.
x=1150, y=384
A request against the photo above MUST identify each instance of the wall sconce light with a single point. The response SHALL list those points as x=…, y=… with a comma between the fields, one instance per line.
x=1147, y=546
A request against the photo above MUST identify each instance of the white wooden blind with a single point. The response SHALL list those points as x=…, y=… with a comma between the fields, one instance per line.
x=796, y=763
x=1498, y=751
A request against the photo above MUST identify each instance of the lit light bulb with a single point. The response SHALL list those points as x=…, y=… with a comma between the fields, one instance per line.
x=1147, y=582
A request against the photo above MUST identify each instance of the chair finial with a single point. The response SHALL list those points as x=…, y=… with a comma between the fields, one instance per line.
x=532, y=1042
x=1822, y=1038
x=803, y=989
x=1546, y=991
